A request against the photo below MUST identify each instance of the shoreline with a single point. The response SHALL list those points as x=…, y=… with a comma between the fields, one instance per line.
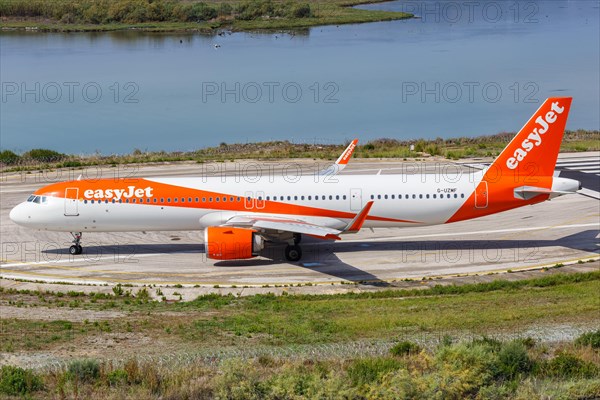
x=336, y=13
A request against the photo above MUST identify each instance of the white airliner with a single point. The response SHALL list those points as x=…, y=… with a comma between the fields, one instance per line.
x=238, y=217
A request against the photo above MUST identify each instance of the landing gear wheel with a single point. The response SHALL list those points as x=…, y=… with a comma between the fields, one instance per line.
x=75, y=250
x=297, y=238
x=293, y=253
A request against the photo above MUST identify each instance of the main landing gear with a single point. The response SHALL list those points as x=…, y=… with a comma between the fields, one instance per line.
x=76, y=248
x=293, y=252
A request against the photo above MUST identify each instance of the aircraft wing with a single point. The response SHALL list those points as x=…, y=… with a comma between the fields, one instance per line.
x=277, y=223
x=274, y=223
x=342, y=160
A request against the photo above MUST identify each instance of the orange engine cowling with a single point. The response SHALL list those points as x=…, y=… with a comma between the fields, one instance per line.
x=230, y=243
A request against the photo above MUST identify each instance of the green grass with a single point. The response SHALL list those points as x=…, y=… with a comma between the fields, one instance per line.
x=271, y=320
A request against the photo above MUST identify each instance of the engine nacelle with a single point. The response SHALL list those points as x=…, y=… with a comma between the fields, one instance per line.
x=230, y=243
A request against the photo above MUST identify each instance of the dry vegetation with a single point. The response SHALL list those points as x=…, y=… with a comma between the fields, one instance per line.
x=453, y=148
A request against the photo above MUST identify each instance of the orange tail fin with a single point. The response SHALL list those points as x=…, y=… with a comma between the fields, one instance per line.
x=534, y=150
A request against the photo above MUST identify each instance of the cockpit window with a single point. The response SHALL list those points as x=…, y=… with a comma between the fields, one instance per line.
x=37, y=199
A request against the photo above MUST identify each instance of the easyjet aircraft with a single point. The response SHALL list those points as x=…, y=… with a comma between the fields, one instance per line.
x=238, y=217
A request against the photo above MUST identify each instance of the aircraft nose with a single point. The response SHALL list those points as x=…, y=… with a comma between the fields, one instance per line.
x=19, y=214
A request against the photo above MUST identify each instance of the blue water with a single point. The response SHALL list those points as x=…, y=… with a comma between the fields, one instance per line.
x=456, y=71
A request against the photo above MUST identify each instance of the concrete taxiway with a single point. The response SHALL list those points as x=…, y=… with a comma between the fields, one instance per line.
x=563, y=230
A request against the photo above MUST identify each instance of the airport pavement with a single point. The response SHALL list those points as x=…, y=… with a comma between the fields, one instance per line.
x=563, y=230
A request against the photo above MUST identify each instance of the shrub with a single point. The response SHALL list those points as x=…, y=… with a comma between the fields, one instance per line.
x=8, y=157
x=461, y=370
x=18, y=381
x=589, y=339
x=238, y=381
x=566, y=365
x=513, y=360
x=44, y=155
x=365, y=371
x=201, y=12
x=84, y=370
x=301, y=11
x=404, y=348
x=117, y=377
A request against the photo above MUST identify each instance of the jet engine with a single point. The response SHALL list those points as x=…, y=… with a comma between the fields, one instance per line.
x=231, y=243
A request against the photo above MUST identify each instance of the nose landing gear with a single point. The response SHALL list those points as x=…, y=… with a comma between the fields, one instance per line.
x=76, y=248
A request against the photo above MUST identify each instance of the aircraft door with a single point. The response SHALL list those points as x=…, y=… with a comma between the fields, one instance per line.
x=355, y=199
x=71, y=201
x=481, y=195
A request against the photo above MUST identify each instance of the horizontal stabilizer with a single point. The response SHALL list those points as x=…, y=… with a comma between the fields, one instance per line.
x=529, y=192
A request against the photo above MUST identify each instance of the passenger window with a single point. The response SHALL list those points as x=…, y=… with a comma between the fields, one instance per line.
x=197, y=200
x=154, y=200
x=189, y=199
x=225, y=199
x=372, y=197
x=175, y=199
x=385, y=196
x=168, y=200
x=217, y=199
x=393, y=196
x=434, y=196
x=295, y=197
x=183, y=199
x=455, y=196
x=330, y=197
x=427, y=196
x=414, y=196
x=379, y=196
x=85, y=202
x=310, y=197
x=344, y=197
x=301, y=197
x=231, y=199
x=337, y=196
x=113, y=201
x=133, y=200
x=289, y=197
x=462, y=195
x=323, y=197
